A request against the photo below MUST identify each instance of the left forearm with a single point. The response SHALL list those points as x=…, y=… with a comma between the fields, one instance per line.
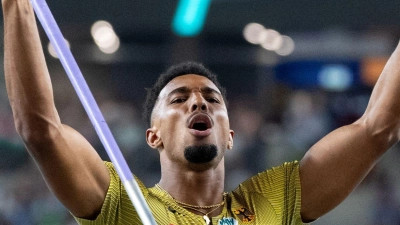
x=383, y=112
x=335, y=165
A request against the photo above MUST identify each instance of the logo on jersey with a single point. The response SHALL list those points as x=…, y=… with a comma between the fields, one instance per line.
x=227, y=221
x=244, y=215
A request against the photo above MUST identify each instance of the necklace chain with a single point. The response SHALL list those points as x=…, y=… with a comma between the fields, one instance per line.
x=198, y=210
x=206, y=218
x=195, y=206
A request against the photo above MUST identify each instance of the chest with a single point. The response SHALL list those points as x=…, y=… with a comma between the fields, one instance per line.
x=234, y=213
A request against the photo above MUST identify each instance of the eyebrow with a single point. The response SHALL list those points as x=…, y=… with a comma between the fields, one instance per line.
x=185, y=90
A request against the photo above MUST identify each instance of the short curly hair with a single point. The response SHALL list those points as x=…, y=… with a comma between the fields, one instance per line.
x=171, y=73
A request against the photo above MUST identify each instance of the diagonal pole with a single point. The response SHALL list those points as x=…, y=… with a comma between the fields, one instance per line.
x=78, y=82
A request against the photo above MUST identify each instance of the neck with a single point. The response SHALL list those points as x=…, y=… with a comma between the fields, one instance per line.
x=201, y=188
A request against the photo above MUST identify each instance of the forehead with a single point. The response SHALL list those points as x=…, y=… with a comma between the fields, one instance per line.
x=190, y=81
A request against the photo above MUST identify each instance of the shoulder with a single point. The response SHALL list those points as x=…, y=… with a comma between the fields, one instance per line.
x=274, y=194
x=116, y=183
x=117, y=207
x=274, y=178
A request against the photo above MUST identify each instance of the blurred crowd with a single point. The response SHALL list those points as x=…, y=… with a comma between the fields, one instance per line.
x=275, y=125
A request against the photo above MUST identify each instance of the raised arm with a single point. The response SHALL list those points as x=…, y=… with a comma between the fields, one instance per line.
x=71, y=167
x=335, y=165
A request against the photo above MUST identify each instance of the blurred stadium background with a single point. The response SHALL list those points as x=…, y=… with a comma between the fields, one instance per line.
x=294, y=71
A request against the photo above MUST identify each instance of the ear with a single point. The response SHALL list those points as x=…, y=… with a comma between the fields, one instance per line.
x=153, y=138
x=230, y=142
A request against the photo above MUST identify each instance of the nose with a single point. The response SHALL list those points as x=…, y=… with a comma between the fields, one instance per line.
x=198, y=103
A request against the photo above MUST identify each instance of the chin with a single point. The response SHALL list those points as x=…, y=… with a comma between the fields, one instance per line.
x=201, y=153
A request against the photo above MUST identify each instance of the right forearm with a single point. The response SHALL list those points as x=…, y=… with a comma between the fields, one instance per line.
x=28, y=83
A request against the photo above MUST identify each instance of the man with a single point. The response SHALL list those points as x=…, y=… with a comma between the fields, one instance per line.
x=190, y=129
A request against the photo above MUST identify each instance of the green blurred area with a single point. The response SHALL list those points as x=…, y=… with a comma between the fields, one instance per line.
x=12, y=155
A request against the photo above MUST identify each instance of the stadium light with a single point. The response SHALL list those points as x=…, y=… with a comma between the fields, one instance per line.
x=190, y=17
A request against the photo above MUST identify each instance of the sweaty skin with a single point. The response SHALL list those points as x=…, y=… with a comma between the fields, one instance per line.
x=72, y=169
x=335, y=165
x=180, y=100
x=76, y=175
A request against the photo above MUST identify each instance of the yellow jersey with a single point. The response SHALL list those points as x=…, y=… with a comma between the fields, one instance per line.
x=271, y=197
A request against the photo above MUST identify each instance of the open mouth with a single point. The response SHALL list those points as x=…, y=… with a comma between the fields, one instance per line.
x=200, y=122
x=199, y=126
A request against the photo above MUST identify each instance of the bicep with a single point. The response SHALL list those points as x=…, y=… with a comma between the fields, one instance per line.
x=334, y=166
x=74, y=172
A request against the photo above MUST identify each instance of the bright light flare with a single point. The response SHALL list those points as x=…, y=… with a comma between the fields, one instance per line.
x=336, y=77
x=111, y=48
x=105, y=37
x=52, y=50
x=252, y=32
x=268, y=39
x=190, y=17
x=287, y=46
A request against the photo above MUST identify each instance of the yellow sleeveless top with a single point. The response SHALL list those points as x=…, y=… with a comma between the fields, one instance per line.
x=271, y=197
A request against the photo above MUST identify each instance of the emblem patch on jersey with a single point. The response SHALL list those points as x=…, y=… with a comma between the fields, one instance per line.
x=244, y=215
x=227, y=221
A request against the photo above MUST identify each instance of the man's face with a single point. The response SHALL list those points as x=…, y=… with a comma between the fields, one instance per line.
x=190, y=112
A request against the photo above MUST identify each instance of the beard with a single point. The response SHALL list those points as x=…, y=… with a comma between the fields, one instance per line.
x=198, y=154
